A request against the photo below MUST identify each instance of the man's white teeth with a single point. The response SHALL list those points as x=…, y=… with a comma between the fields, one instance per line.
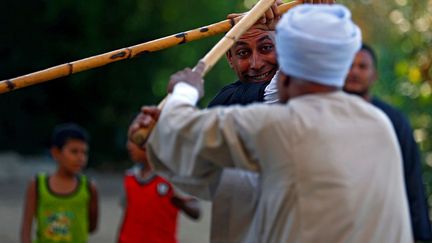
x=261, y=76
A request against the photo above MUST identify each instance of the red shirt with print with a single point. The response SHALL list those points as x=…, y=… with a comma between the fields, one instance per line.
x=149, y=214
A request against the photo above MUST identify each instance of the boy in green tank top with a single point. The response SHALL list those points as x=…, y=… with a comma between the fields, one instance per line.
x=64, y=204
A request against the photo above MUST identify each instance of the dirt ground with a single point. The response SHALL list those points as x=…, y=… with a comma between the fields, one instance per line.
x=14, y=174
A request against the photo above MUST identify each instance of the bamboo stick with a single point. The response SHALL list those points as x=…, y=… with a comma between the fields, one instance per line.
x=210, y=59
x=124, y=53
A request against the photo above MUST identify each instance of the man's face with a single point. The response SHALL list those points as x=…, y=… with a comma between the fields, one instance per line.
x=361, y=75
x=253, y=56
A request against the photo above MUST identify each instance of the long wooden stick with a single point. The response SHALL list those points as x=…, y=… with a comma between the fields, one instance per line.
x=124, y=53
x=210, y=59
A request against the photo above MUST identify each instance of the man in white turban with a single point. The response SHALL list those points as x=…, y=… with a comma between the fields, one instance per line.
x=329, y=162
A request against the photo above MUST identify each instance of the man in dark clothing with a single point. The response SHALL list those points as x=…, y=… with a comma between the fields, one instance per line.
x=240, y=93
x=361, y=77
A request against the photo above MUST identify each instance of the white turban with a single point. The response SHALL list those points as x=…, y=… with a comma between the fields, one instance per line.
x=317, y=43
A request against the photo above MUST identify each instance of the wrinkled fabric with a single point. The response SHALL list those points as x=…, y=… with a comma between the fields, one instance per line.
x=329, y=164
x=234, y=205
x=235, y=194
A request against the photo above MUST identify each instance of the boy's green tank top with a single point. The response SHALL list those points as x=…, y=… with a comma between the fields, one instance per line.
x=62, y=218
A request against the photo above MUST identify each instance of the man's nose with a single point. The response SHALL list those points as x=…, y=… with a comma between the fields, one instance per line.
x=256, y=61
x=354, y=70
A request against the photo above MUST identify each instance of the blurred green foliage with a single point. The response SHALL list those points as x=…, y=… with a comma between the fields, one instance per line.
x=39, y=34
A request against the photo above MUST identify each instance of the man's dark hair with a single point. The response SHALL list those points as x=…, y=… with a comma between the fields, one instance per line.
x=63, y=132
x=367, y=48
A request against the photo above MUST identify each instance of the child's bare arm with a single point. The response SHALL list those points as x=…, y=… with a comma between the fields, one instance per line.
x=93, y=208
x=29, y=212
x=190, y=206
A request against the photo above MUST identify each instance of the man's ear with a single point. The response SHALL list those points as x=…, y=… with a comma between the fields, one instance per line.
x=228, y=55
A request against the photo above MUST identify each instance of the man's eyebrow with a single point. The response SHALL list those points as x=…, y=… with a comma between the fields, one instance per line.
x=265, y=38
x=240, y=43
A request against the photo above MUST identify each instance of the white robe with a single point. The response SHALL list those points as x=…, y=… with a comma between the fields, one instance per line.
x=329, y=164
x=233, y=205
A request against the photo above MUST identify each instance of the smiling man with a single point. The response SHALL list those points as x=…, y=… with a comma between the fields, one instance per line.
x=253, y=59
x=234, y=194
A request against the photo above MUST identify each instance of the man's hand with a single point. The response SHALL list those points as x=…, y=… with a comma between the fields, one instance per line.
x=149, y=115
x=189, y=76
x=270, y=17
x=144, y=120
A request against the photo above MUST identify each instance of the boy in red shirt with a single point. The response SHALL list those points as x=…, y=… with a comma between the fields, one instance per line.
x=151, y=204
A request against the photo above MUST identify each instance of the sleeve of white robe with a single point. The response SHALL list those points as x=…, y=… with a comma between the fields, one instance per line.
x=270, y=92
x=190, y=146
